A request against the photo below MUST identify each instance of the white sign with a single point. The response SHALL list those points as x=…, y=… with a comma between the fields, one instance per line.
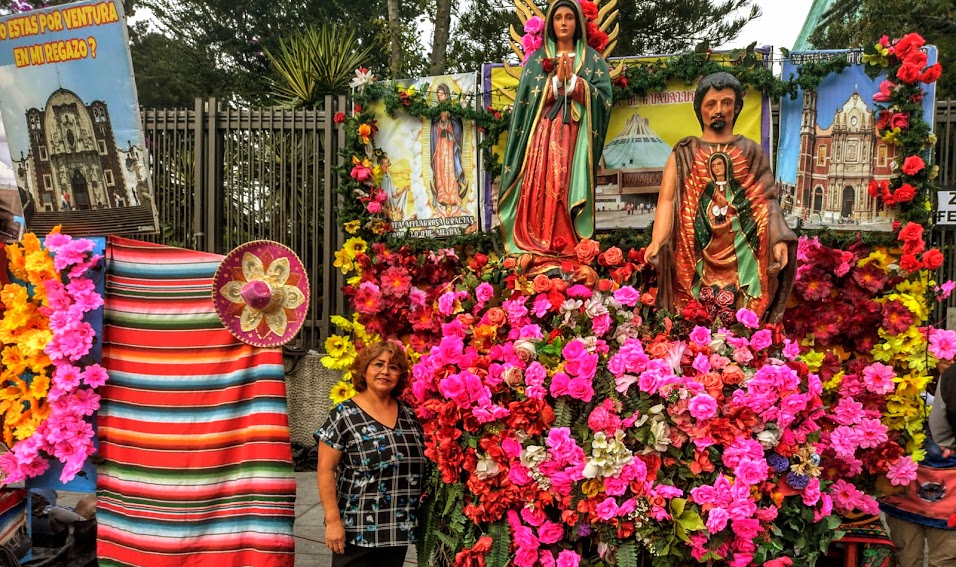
x=946, y=209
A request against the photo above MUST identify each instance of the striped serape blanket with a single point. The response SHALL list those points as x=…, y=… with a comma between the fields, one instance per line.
x=193, y=428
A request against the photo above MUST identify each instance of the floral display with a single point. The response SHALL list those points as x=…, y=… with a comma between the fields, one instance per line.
x=899, y=121
x=562, y=416
x=579, y=425
x=49, y=379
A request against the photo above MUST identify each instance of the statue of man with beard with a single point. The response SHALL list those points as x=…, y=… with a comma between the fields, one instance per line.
x=719, y=235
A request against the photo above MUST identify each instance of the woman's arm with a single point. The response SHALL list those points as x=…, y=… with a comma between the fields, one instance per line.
x=334, y=529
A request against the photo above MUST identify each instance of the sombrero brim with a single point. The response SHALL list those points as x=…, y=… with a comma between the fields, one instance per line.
x=230, y=312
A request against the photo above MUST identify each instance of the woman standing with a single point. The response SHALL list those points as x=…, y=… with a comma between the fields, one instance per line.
x=371, y=464
x=560, y=118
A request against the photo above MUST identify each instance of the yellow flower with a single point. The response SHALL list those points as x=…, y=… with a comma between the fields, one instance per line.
x=13, y=360
x=592, y=487
x=341, y=322
x=343, y=261
x=39, y=386
x=813, y=359
x=341, y=391
x=892, y=136
x=355, y=246
x=336, y=346
x=352, y=226
x=879, y=256
x=354, y=280
x=834, y=383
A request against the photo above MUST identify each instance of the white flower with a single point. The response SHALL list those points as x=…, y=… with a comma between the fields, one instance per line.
x=362, y=77
x=486, y=467
x=769, y=438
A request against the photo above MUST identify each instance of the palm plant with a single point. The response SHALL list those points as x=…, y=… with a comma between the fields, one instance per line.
x=313, y=63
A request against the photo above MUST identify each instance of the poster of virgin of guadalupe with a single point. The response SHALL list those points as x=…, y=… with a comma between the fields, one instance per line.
x=430, y=173
x=69, y=108
x=830, y=149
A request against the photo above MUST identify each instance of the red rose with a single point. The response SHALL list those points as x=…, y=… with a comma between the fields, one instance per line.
x=620, y=81
x=909, y=73
x=339, y=117
x=357, y=108
x=590, y=9
x=912, y=231
x=909, y=263
x=907, y=45
x=874, y=188
x=932, y=259
x=914, y=247
x=605, y=285
x=931, y=74
x=883, y=119
x=900, y=120
x=913, y=165
x=904, y=194
x=548, y=65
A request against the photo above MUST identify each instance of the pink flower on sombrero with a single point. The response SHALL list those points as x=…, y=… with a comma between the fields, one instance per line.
x=264, y=294
x=261, y=293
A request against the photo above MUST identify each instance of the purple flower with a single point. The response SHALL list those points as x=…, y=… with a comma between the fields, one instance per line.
x=797, y=481
x=778, y=462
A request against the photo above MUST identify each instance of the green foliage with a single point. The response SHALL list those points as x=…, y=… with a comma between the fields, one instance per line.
x=315, y=62
x=562, y=413
x=500, y=553
x=856, y=23
x=627, y=554
x=745, y=64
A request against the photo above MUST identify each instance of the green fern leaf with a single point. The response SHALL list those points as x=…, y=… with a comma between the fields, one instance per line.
x=500, y=553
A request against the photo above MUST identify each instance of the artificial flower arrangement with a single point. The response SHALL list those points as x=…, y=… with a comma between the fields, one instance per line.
x=899, y=118
x=864, y=316
x=572, y=429
x=575, y=426
x=50, y=382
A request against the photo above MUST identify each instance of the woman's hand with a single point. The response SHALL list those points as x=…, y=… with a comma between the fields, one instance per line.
x=335, y=537
x=562, y=70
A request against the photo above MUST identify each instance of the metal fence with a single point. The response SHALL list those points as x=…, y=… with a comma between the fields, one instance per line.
x=223, y=177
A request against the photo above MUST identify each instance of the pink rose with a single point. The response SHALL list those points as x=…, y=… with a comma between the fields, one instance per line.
x=748, y=318
x=627, y=295
x=702, y=406
x=550, y=532
x=374, y=207
x=568, y=558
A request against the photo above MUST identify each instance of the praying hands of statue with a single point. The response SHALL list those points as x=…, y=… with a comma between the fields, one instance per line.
x=564, y=68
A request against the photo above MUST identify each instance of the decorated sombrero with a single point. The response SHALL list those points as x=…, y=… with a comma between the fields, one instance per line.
x=261, y=293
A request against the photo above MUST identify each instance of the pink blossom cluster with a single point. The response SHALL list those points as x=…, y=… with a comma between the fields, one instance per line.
x=66, y=434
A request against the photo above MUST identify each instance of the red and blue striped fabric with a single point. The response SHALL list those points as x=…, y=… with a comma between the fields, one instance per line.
x=193, y=427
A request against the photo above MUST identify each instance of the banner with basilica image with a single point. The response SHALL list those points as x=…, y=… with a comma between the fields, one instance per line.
x=69, y=108
x=830, y=150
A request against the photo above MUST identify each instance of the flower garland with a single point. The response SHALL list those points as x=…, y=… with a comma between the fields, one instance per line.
x=50, y=384
x=899, y=118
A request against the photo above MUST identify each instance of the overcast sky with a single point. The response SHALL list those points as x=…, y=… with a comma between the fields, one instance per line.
x=778, y=26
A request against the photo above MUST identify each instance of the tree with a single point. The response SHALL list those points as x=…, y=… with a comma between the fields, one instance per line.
x=238, y=32
x=857, y=23
x=481, y=35
x=313, y=63
x=440, y=37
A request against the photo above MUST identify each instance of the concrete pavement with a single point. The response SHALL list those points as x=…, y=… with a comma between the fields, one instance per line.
x=310, y=550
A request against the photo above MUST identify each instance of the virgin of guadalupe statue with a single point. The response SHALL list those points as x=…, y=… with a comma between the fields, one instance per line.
x=560, y=118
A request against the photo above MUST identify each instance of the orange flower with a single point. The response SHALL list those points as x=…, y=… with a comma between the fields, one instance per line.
x=365, y=132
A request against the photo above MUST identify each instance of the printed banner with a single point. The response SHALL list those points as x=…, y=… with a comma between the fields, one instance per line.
x=11, y=211
x=431, y=172
x=640, y=136
x=829, y=149
x=69, y=106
